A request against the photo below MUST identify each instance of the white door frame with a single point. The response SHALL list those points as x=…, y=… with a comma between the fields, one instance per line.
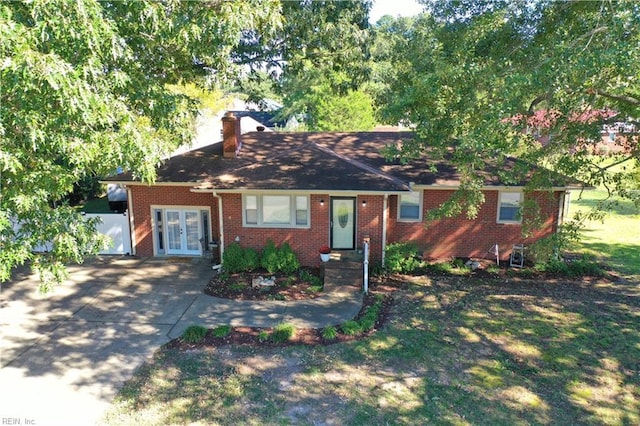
x=343, y=225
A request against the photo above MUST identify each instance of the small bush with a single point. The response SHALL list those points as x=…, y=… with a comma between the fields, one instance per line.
x=367, y=322
x=351, y=328
x=314, y=281
x=402, y=258
x=493, y=269
x=251, y=260
x=287, y=259
x=578, y=268
x=584, y=267
x=269, y=259
x=329, y=333
x=440, y=268
x=282, y=333
x=263, y=336
x=233, y=258
x=458, y=263
x=279, y=259
x=194, y=334
x=221, y=331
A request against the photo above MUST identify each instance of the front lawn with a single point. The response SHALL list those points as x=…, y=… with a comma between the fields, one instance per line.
x=454, y=350
x=615, y=239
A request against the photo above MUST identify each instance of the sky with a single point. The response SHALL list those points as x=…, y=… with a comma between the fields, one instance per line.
x=394, y=8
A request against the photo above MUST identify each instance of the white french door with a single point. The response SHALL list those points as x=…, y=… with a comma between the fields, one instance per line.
x=183, y=230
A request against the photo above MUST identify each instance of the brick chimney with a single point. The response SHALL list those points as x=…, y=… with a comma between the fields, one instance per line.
x=231, y=138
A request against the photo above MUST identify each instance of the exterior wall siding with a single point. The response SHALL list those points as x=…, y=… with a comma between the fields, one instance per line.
x=461, y=237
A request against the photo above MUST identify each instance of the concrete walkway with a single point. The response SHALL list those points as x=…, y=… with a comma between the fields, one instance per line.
x=64, y=356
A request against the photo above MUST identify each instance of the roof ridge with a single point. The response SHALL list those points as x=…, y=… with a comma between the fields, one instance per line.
x=361, y=165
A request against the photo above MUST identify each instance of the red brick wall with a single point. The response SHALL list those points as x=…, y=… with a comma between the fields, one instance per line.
x=460, y=237
x=370, y=220
x=456, y=237
x=305, y=242
x=146, y=196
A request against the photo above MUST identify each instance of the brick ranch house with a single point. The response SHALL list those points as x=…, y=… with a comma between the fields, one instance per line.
x=315, y=189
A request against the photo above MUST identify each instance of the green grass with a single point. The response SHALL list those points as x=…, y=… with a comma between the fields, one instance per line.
x=616, y=239
x=457, y=351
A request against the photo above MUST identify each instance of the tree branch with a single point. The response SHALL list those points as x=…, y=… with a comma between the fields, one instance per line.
x=622, y=98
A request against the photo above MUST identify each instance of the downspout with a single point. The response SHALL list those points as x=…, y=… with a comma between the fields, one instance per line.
x=385, y=217
x=132, y=236
x=563, y=207
x=220, y=227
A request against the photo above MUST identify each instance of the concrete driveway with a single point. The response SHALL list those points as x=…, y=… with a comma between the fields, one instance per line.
x=63, y=356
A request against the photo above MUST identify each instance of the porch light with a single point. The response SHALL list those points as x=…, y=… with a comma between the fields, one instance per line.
x=364, y=203
x=322, y=202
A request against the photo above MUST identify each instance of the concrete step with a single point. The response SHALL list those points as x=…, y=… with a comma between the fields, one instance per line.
x=342, y=276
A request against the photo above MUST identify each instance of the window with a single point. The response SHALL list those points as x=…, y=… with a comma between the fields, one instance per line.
x=251, y=210
x=302, y=210
x=509, y=207
x=276, y=209
x=410, y=206
x=287, y=211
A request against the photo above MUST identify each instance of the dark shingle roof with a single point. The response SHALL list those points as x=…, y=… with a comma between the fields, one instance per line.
x=313, y=161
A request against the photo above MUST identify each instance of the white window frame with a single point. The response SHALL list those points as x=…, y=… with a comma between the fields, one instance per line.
x=293, y=213
x=520, y=200
x=420, y=203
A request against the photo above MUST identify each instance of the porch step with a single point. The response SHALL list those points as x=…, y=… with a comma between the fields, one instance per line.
x=342, y=276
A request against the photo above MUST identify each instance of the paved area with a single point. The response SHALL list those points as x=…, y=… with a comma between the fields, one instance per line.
x=63, y=356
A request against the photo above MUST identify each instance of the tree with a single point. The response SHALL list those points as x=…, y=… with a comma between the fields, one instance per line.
x=84, y=89
x=483, y=80
x=322, y=44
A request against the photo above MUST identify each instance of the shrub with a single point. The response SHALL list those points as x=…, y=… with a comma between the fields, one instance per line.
x=221, y=331
x=279, y=259
x=440, y=268
x=269, y=259
x=351, y=328
x=282, y=333
x=194, y=334
x=263, y=336
x=287, y=259
x=402, y=258
x=578, y=268
x=329, y=333
x=251, y=259
x=585, y=267
x=368, y=321
x=233, y=258
x=493, y=269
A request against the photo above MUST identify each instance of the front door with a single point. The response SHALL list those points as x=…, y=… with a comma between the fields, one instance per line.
x=343, y=223
x=183, y=232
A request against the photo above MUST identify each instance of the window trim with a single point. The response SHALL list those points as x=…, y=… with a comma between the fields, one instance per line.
x=293, y=217
x=499, y=208
x=420, y=207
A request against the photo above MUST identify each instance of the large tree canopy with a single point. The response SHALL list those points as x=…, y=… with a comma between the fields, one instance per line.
x=488, y=79
x=317, y=62
x=84, y=90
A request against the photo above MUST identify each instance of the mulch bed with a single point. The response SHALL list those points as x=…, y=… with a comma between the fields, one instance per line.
x=238, y=286
x=302, y=336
